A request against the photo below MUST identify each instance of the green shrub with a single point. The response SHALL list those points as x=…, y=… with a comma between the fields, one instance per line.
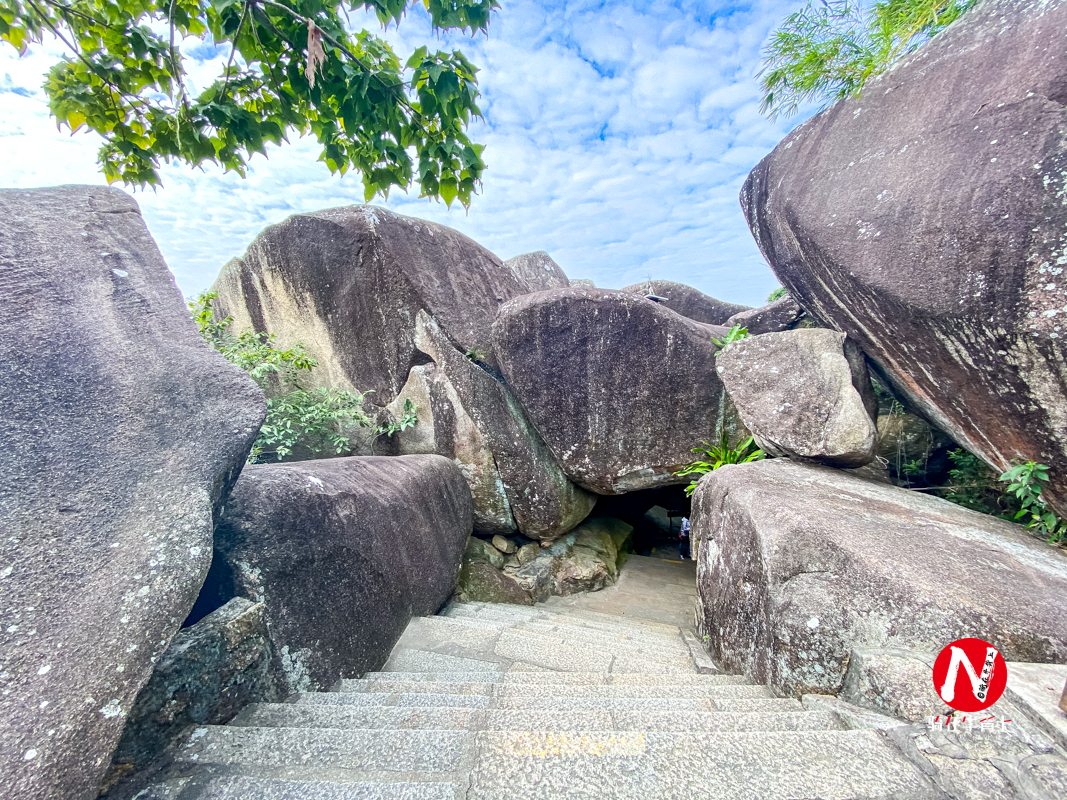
x=735, y=334
x=408, y=418
x=972, y=484
x=1025, y=484
x=719, y=455
x=298, y=419
x=777, y=294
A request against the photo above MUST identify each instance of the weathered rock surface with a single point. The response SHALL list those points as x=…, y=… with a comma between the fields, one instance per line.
x=343, y=552
x=122, y=431
x=505, y=545
x=349, y=283
x=467, y=414
x=537, y=271
x=620, y=388
x=211, y=671
x=800, y=565
x=781, y=315
x=585, y=560
x=480, y=578
x=803, y=394
x=687, y=301
x=895, y=682
x=925, y=219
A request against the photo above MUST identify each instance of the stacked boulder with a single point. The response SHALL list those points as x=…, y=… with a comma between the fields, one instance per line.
x=925, y=219
x=404, y=308
x=816, y=580
x=687, y=301
x=619, y=387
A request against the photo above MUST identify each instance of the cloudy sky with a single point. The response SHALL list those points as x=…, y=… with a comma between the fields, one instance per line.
x=618, y=135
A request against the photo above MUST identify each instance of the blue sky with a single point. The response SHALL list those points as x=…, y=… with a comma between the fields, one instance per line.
x=618, y=135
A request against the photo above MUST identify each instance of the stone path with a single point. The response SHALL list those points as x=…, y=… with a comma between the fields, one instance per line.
x=553, y=702
x=651, y=589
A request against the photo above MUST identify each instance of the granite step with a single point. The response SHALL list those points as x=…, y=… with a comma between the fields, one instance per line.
x=577, y=617
x=247, y=787
x=830, y=765
x=302, y=715
x=586, y=633
x=582, y=618
x=478, y=637
x=397, y=700
x=300, y=750
x=284, y=715
x=725, y=686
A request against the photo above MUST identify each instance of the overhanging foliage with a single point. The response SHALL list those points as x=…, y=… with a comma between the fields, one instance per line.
x=292, y=66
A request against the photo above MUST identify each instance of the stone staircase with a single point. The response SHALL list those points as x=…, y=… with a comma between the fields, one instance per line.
x=491, y=702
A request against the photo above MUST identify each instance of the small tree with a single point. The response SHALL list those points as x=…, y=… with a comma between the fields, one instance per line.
x=829, y=49
x=292, y=65
x=309, y=420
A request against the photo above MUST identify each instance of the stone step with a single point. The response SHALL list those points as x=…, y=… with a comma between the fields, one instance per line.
x=480, y=638
x=831, y=765
x=398, y=700
x=283, y=715
x=727, y=686
x=245, y=787
x=436, y=677
x=307, y=749
x=577, y=618
x=567, y=629
x=409, y=659
x=604, y=704
x=573, y=678
x=478, y=633
x=727, y=689
x=572, y=656
x=413, y=687
x=302, y=715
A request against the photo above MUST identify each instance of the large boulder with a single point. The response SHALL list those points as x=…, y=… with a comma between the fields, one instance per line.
x=467, y=413
x=537, y=271
x=620, y=388
x=800, y=565
x=925, y=218
x=211, y=671
x=781, y=315
x=122, y=432
x=343, y=552
x=687, y=301
x=803, y=394
x=349, y=282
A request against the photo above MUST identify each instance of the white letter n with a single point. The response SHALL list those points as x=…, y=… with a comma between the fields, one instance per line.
x=978, y=684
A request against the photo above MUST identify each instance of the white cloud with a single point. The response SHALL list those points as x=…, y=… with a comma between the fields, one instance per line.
x=618, y=135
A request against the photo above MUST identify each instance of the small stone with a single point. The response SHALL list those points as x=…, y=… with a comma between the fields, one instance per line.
x=527, y=553
x=504, y=545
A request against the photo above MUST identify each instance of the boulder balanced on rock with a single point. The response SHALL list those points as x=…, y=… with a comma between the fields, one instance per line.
x=467, y=413
x=348, y=284
x=537, y=271
x=804, y=394
x=799, y=565
x=620, y=388
x=925, y=219
x=687, y=301
x=343, y=552
x=122, y=433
